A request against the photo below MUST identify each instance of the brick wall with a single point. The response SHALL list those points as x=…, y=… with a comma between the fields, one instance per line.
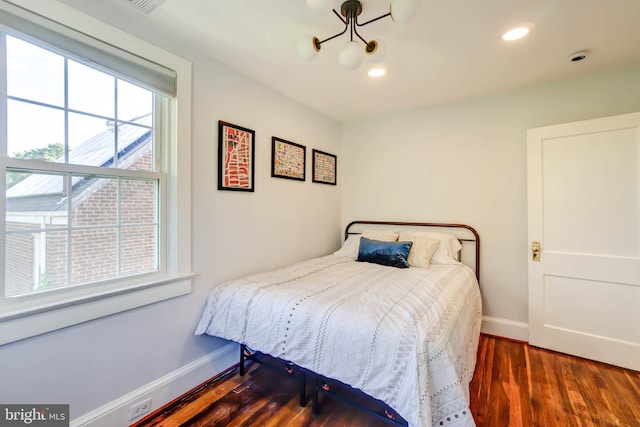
x=94, y=251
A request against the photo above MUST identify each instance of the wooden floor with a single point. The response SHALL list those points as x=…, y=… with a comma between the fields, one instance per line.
x=514, y=385
x=519, y=385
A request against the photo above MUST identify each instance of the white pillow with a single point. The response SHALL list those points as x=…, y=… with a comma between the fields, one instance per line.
x=380, y=235
x=422, y=249
x=448, y=248
x=350, y=247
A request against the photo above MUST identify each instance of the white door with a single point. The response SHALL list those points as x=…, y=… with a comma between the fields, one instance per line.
x=584, y=210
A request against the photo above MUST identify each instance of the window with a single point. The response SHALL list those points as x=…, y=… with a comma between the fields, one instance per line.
x=93, y=217
x=92, y=176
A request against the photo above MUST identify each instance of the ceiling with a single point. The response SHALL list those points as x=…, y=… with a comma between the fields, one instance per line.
x=452, y=49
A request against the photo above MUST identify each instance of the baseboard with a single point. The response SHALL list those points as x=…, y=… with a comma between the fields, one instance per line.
x=162, y=390
x=505, y=328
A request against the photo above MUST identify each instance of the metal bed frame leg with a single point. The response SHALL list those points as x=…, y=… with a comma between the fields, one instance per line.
x=243, y=357
x=303, y=389
x=290, y=368
x=314, y=405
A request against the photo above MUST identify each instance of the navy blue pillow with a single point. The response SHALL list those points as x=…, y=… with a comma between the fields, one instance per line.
x=393, y=254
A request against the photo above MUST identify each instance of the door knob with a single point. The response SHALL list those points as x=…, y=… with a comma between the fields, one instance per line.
x=535, y=251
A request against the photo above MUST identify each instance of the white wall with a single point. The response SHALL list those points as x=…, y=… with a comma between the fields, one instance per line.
x=466, y=162
x=234, y=233
x=283, y=220
x=463, y=163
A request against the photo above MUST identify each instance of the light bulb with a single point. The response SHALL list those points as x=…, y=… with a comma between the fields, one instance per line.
x=403, y=10
x=307, y=47
x=319, y=4
x=351, y=55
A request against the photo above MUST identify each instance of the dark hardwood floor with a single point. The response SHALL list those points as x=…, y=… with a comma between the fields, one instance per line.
x=519, y=385
x=514, y=385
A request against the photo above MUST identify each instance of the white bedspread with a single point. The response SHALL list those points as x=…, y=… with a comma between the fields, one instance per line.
x=405, y=336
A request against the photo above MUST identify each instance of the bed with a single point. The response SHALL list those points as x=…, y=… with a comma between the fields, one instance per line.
x=403, y=335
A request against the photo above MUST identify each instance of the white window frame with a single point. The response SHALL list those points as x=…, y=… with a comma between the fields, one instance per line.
x=32, y=316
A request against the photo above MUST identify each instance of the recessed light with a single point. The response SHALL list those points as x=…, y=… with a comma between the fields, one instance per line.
x=377, y=72
x=515, y=33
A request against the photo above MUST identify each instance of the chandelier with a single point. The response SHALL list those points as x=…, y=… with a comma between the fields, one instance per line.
x=352, y=53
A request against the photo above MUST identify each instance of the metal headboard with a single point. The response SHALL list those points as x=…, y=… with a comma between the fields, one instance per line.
x=470, y=235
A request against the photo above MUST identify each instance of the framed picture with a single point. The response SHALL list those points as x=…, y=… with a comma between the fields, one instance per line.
x=235, y=157
x=324, y=167
x=287, y=159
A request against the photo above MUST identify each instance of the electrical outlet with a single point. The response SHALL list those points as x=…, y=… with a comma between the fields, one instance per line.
x=139, y=409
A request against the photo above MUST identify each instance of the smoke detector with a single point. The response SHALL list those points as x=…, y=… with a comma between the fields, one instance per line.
x=578, y=56
x=146, y=5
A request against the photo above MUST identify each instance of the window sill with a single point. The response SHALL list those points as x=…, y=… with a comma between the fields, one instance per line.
x=20, y=323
